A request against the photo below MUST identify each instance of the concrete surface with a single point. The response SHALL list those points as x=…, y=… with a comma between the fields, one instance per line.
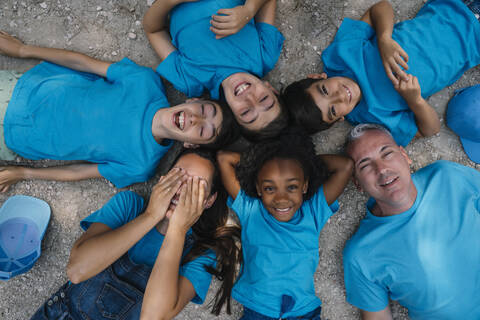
x=110, y=30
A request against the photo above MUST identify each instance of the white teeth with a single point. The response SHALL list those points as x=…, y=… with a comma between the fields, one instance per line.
x=282, y=210
x=181, y=120
x=388, y=182
x=241, y=88
x=175, y=201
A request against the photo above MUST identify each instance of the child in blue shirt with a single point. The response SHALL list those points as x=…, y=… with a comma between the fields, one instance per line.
x=113, y=115
x=181, y=234
x=378, y=72
x=198, y=55
x=281, y=193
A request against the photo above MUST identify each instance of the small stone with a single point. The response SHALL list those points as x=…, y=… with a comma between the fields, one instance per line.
x=43, y=5
x=114, y=53
x=150, y=2
x=138, y=23
x=90, y=48
x=132, y=36
x=99, y=8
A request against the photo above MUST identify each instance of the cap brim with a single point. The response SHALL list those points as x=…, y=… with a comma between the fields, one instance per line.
x=20, y=206
x=472, y=149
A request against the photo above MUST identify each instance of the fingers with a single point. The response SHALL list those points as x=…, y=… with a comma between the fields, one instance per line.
x=404, y=55
x=390, y=74
x=219, y=33
x=201, y=194
x=220, y=19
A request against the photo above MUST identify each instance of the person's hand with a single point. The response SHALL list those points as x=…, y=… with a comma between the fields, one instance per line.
x=190, y=205
x=9, y=176
x=410, y=90
x=229, y=21
x=163, y=192
x=393, y=58
x=231, y=157
x=10, y=46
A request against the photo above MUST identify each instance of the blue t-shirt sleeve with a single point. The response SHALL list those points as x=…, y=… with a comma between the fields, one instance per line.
x=195, y=272
x=271, y=43
x=352, y=29
x=119, y=210
x=173, y=69
x=123, y=174
x=319, y=207
x=362, y=292
x=244, y=205
x=124, y=68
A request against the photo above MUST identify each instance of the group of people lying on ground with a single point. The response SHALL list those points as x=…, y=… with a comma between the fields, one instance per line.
x=417, y=243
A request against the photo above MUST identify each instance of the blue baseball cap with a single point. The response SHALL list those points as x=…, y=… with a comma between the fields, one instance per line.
x=23, y=221
x=463, y=117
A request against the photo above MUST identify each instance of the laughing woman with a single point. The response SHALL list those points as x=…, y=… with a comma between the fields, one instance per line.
x=181, y=233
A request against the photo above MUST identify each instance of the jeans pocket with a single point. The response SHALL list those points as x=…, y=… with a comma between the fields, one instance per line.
x=113, y=303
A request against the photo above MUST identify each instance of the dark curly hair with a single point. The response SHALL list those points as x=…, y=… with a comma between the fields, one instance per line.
x=294, y=143
x=272, y=129
x=211, y=232
x=301, y=107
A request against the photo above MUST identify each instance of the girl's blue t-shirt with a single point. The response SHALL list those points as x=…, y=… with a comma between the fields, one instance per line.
x=63, y=114
x=125, y=207
x=442, y=42
x=203, y=62
x=280, y=258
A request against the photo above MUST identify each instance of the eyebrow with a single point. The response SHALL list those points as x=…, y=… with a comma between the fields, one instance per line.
x=381, y=150
x=214, y=110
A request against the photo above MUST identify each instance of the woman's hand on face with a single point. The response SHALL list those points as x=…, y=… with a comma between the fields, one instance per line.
x=163, y=192
x=190, y=205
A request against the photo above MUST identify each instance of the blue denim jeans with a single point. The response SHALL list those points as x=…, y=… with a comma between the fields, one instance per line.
x=115, y=293
x=249, y=314
x=474, y=6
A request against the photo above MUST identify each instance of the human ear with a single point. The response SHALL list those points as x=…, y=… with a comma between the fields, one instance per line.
x=305, y=187
x=189, y=145
x=259, y=192
x=210, y=201
x=356, y=183
x=405, y=155
x=269, y=86
x=319, y=76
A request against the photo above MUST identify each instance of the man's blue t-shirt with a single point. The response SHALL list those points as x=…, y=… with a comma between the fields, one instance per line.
x=426, y=258
x=280, y=258
x=442, y=42
x=125, y=207
x=203, y=62
x=63, y=114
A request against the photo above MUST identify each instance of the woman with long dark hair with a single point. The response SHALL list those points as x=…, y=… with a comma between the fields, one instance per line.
x=181, y=233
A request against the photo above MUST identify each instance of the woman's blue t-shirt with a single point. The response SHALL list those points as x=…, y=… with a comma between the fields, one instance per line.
x=125, y=207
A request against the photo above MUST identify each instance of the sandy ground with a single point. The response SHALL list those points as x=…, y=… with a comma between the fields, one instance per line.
x=110, y=30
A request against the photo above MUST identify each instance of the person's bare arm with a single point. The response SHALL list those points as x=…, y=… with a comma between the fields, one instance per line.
x=426, y=118
x=155, y=27
x=100, y=246
x=13, y=47
x=380, y=16
x=384, y=314
x=229, y=21
x=340, y=169
x=227, y=161
x=13, y=174
x=167, y=293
